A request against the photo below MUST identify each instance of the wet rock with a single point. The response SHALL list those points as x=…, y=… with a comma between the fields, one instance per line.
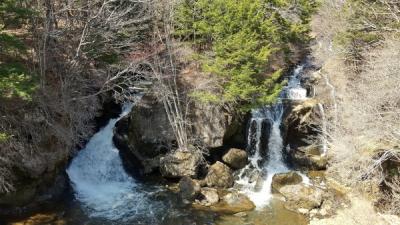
x=179, y=164
x=254, y=175
x=209, y=196
x=229, y=203
x=219, y=175
x=301, y=196
x=235, y=158
x=282, y=179
x=235, y=202
x=189, y=189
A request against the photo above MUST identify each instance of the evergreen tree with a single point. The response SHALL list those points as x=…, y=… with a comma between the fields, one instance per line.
x=236, y=41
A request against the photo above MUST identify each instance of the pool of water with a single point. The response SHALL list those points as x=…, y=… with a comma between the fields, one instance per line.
x=72, y=212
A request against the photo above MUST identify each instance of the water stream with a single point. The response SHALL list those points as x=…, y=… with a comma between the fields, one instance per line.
x=100, y=182
x=103, y=193
x=267, y=159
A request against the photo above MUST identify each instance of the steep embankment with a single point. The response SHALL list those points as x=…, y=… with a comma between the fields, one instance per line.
x=357, y=51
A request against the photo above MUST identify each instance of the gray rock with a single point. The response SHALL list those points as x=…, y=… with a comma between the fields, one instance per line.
x=219, y=175
x=302, y=196
x=282, y=179
x=180, y=164
x=310, y=157
x=209, y=196
x=236, y=158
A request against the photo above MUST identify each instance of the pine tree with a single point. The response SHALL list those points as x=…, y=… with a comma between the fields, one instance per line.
x=236, y=41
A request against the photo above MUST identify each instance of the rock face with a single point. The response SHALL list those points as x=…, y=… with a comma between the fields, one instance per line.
x=302, y=117
x=149, y=129
x=309, y=157
x=189, y=189
x=146, y=135
x=301, y=124
x=209, y=124
x=236, y=158
x=179, y=164
x=282, y=179
x=219, y=175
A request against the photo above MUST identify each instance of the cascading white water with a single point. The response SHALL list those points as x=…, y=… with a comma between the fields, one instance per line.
x=259, y=191
x=294, y=90
x=100, y=182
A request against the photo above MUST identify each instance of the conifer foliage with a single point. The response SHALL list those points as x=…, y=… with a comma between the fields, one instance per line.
x=236, y=41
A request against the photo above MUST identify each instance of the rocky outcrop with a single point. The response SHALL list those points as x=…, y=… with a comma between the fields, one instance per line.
x=149, y=131
x=180, y=164
x=309, y=157
x=219, y=175
x=236, y=158
x=146, y=134
x=301, y=121
x=301, y=125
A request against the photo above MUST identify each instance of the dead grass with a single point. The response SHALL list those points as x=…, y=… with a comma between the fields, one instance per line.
x=363, y=106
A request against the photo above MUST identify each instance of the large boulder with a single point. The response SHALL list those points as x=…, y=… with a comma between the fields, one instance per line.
x=180, y=164
x=150, y=132
x=301, y=125
x=280, y=180
x=143, y=136
x=301, y=121
x=297, y=194
x=301, y=196
x=189, y=189
x=235, y=158
x=219, y=175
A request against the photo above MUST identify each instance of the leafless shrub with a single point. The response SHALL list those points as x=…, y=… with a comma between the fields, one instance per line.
x=392, y=197
x=73, y=47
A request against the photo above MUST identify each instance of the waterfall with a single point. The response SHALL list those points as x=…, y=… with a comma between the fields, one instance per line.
x=100, y=183
x=259, y=189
